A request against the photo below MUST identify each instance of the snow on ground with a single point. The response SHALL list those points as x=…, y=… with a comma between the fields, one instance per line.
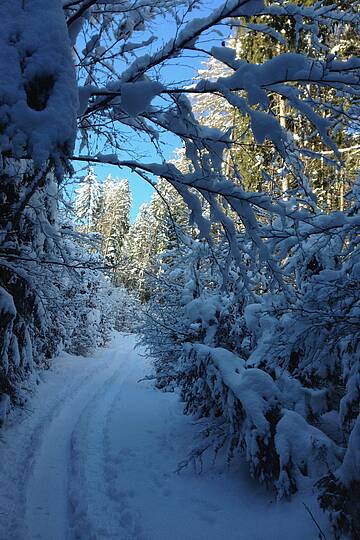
x=96, y=454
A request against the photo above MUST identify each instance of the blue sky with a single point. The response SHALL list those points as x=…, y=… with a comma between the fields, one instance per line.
x=181, y=70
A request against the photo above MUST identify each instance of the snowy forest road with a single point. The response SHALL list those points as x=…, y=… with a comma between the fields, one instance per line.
x=96, y=458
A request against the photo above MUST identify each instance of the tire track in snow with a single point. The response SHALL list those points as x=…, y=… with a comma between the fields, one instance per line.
x=18, y=466
x=130, y=518
x=46, y=507
x=113, y=446
x=96, y=511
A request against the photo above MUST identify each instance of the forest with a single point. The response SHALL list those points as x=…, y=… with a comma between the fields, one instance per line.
x=236, y=288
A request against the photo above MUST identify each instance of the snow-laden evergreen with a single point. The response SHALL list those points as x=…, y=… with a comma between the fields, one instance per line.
x=275, y=372
x=113, y=222
x=88, y=201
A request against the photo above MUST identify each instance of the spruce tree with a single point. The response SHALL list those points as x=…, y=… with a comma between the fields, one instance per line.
x=114, y=222
x=258, y=165
x=87, y=201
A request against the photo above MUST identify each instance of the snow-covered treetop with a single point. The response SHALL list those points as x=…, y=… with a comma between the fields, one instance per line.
x=123, y=91
x=122, y=84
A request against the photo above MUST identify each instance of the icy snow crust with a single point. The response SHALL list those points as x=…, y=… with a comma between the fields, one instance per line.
x=96, y=456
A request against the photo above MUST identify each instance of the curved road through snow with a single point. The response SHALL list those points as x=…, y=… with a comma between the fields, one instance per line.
x=95, y=457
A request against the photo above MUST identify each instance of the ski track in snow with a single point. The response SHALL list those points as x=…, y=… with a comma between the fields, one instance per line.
x=96, y=459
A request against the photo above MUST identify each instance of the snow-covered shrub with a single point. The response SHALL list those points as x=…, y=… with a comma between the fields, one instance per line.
x=216, y=385
x=307, y=337
x=52, y=295
x=190, y=303
x=339, y=490
x=273, y=368
x=89, y=313
x=125, y=310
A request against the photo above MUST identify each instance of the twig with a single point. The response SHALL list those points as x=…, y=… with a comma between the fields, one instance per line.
x=322, y=535
x=147, y=378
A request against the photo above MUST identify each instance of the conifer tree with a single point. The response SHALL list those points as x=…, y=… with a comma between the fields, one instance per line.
x=258, y=165
x=114, y=222
x=138, y=252
x=154, y=231
x=87, y=201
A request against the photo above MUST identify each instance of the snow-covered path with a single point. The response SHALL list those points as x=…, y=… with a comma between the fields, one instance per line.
x=96, y=456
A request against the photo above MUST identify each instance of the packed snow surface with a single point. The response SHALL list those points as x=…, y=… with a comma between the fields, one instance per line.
x=96, y=454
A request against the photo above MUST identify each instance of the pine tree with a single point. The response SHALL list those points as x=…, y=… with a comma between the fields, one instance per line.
x=113, y=224
x=154, y=231
x=258, y=165
x=138, y=253
x=105, y=209
x=87, y=201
